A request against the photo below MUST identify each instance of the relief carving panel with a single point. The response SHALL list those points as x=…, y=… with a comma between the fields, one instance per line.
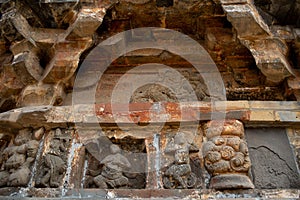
x=117, y=165
x=53, y=162
x=181, y=160
x=175, y=158
x=18, y=156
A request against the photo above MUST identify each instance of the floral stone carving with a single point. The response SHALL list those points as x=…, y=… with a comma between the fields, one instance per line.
x=17, y=158
x=226, y=155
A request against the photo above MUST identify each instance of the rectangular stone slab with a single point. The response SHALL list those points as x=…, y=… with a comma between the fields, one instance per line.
x=273, y=163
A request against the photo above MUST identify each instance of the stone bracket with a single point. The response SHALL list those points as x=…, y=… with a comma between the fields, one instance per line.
x=254, y=33
x=63, y=49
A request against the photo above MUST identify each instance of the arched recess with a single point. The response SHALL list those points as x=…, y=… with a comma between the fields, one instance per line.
x=205, y=22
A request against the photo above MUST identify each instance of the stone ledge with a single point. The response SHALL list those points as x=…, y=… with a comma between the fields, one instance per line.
x=43, y=193
x=252, y=113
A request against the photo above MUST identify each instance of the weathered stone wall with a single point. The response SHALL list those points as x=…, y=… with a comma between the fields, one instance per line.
x=173, y=160
x=36, y=39
x=74, y=159
x=159, y=146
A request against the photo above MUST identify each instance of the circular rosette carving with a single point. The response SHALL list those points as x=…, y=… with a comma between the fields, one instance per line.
x=222, y=166
x=237, y=161
x=240, y=163
x=227, y=152
x=244, y=148
x=234, y=142
x=212, y=157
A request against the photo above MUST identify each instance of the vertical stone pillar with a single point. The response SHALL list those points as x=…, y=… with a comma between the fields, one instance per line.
x=226, y=156
x=153, y=163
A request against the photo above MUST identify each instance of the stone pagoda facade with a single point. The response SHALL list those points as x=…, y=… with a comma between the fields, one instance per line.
x=192, y=99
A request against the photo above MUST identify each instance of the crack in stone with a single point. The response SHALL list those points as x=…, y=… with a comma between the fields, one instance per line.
x=290, y=177
x=262, y=146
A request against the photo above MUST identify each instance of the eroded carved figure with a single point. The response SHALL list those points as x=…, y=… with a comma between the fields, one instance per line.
x=17, y=159
x=4, y=175
x=54, y=161
x=179, y=174
x=114, y=166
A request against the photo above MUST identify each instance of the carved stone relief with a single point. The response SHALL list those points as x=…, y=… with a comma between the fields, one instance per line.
x=178, y=159
x=54, y=159
x=153, y=93
x=112, y=173
x=18, y=156
x=184, y=86
x=179, y=174
x=116, y=166
x=226, y=155
x=181, y=161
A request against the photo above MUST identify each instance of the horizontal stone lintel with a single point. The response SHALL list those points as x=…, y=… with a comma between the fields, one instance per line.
x=252, y=113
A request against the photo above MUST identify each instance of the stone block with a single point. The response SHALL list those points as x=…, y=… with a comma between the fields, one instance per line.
x=65, y=61
x=26, y=62
x=27, y=66
x=86, y=23
x=273, y=105
x=42, y=94
x=243, y=18
x=267, y=115
x=273, y=163
x=45, y=35
x=231, y=181
x=231, y=105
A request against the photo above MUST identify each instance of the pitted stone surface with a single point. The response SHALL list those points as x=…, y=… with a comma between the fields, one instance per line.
x=273, y=161
x=61, y=34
